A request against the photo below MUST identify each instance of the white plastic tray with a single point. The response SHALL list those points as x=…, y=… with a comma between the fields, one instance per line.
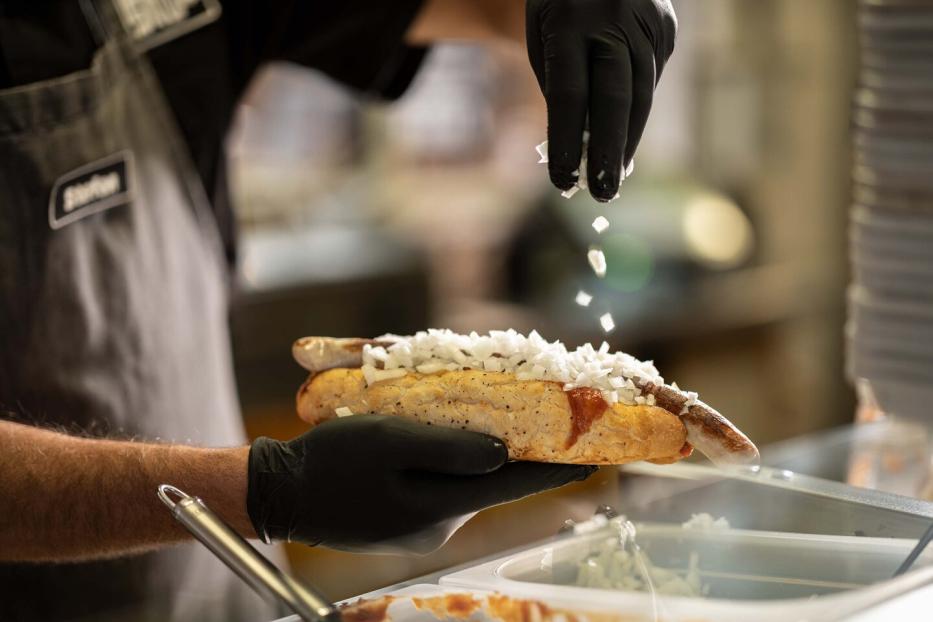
x=753, y=575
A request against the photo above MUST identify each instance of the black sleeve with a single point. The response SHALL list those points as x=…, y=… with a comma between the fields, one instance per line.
x=359, y=43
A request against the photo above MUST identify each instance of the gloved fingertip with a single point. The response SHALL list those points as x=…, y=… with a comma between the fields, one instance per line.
x=604, y=184
x=562, y=179
x=500, y=452
x=491, y=455
x=604, y=192
x=568, y=473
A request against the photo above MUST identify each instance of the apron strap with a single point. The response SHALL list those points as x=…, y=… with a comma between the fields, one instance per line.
x=101, y=19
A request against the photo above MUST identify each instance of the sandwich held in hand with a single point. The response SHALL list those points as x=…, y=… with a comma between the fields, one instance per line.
x=546, y=403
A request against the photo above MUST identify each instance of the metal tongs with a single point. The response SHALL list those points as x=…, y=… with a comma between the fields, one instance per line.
x=257, y=571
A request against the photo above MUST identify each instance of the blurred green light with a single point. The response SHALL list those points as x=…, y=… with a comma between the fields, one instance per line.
x=630, y=262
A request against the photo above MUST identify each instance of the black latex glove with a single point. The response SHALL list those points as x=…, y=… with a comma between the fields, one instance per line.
x=599, y=59
x=359, y=481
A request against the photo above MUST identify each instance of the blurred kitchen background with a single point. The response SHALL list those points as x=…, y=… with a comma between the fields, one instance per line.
x=726, y=251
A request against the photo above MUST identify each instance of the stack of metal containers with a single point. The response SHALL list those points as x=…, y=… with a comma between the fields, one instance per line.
x=890, y=330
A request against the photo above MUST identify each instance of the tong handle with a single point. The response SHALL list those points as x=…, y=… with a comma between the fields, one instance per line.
x=254, y=569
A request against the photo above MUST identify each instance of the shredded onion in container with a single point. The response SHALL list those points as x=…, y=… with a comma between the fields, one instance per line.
x=615, y=374
x=706, y=521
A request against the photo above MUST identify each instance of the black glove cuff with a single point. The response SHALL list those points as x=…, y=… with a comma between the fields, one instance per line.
x=270, y=492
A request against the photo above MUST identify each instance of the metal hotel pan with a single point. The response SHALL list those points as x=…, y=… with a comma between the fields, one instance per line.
x=893, y=281
x=906, y=155
x=873, y=242
x=893, y=245
x=893, y=348
x=912, y=257
x=878, y=20
x=918, y=313
x=914, y=224
x=899, y=62
x=914, y=352
x=904, y=340
x=913, y=181
x=875, y=364
x=871, y=148
x=913, y=251
x=882, y=217
x=864, y=323
x=885, y=197
x=894, y=123
x=897, y=76
x=891, y=174
x=916, y=100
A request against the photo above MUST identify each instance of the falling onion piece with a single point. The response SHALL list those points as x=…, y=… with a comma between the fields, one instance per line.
x=606, y=321
x=597, y=260
x=583, y=299
x=542, y=153
x=600, y=224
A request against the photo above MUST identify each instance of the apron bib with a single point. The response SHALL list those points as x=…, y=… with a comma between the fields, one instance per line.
x=113, y=314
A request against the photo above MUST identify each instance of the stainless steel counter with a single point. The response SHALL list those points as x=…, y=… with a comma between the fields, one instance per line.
x=755, y=501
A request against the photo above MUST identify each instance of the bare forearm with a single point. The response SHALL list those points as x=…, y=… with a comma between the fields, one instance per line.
x=67, y=498
x=469, y=20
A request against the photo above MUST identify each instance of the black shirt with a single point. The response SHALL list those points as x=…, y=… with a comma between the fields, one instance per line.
x=357, y=42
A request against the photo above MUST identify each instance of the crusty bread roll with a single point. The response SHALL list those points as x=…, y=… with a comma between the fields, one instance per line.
x=538, y=417
x=537, y=420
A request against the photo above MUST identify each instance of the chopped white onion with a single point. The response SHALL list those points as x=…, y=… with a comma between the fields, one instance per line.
x=706, y=521
x=528, y=357
x=583, y=299
x=691, y=399
x=388, y=374
x=600, y=224
x=343, y=411
x=597, y=260
x=569, y=192
x=606, y=321
x=368, y=369
x=582, y=183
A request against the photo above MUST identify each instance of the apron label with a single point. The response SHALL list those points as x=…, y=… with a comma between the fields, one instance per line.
x=90, y=189
x=150, y=23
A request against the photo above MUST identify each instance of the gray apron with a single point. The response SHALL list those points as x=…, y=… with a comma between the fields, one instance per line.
x=113, y=315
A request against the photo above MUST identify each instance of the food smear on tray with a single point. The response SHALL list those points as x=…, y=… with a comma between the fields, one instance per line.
x=546, y=402
x=474, y=606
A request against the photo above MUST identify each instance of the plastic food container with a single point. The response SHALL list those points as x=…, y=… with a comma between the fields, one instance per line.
x=748, y=575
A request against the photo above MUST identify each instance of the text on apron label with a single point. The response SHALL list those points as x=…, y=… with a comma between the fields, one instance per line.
x=90, y=189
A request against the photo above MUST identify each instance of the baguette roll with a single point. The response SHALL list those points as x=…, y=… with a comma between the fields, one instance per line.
x=537, y=420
